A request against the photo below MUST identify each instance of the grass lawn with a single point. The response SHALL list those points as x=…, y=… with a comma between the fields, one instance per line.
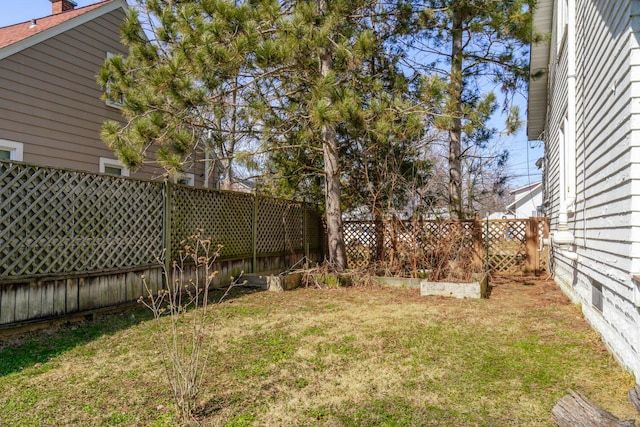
x=331, y=357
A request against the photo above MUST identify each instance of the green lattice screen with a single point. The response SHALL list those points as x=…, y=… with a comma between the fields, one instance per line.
x=228, y=217
x=224, y=216
x=280, y=226
x=56, y=222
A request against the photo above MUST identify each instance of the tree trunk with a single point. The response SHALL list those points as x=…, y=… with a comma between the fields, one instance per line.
x=378, y=221
x=576, y=410
x=455, y=131
x=335, y=230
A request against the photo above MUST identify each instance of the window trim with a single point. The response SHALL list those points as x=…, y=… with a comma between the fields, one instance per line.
x=15, y=149
x=114, y=163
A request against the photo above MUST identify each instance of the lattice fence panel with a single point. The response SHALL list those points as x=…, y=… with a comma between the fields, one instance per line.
x=360, y=243
x=447, y=247
x=408, y=244
x=225, y=217
x=56, y=222
x=280, y=226
x=507, y=245
x=454, y=235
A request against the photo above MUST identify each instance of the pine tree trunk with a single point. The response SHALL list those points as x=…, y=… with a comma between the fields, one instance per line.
x=455, y=132
x=335, y=231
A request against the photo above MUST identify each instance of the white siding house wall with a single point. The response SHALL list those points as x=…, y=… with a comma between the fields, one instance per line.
x=605, y=218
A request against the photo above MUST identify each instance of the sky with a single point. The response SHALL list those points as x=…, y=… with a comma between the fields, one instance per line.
x=522, y=157
x=523, y=154
x=16, y=11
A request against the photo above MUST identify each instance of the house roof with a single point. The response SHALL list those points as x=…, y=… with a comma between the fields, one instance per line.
x=539, y=56
x=17, y=37
x=526, y=188
x=524, y=192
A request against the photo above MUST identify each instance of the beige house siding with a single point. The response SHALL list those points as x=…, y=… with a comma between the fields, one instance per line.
x=50, y=101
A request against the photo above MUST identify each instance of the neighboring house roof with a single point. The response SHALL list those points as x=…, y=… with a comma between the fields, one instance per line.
x=15, y=38
x=539, y=55
x=500, y=215
x=524, y=193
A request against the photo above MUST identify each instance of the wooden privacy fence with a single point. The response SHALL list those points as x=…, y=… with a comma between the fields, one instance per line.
x=69, y=239
x=506, y=246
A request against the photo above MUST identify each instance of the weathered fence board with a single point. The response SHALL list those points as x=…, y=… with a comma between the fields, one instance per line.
x=21, y=302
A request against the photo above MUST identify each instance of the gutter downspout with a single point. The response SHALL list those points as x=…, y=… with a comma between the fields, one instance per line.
x=563, y=238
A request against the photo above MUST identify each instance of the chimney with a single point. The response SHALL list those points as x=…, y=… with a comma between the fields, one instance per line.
x=59, y=6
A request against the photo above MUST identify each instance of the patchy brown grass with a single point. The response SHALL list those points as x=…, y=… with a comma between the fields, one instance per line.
x=344, y=356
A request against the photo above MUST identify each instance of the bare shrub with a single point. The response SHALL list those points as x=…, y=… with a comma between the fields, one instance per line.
x=438, y=250
x=323, y=276
x=453, y=253
x=184, y=339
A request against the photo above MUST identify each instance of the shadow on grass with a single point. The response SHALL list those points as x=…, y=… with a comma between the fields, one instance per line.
x=31, y=348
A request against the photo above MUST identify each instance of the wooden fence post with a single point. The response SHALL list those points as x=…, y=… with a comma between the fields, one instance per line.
x=478, y=243
x=305, y=237
x=378, y=232
x=532, y=263
x=167, y=230
x=254, y=234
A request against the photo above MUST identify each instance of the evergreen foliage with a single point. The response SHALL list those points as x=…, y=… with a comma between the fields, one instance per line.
x=338, y=95
x=469, y=47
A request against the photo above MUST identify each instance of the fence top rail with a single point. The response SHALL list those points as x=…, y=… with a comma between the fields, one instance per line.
x=161, y=180
x=539, y=218
x=412, y=221
x=9, y=163
x=462, y=221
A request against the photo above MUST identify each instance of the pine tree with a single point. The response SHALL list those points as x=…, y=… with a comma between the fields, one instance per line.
x=467, y=46
x=335, y=89
x=183, y=82
x=286, y=74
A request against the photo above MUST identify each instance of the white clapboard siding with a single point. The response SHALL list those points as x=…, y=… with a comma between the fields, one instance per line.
x=605, y=218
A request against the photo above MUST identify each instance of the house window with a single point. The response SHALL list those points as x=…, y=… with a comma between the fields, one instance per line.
x=10, y=150
x=113, y=101
x=113, y=167
x=596, y=296
x=184, y=178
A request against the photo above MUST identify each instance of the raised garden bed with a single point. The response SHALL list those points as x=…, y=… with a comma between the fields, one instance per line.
x=476, y=288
